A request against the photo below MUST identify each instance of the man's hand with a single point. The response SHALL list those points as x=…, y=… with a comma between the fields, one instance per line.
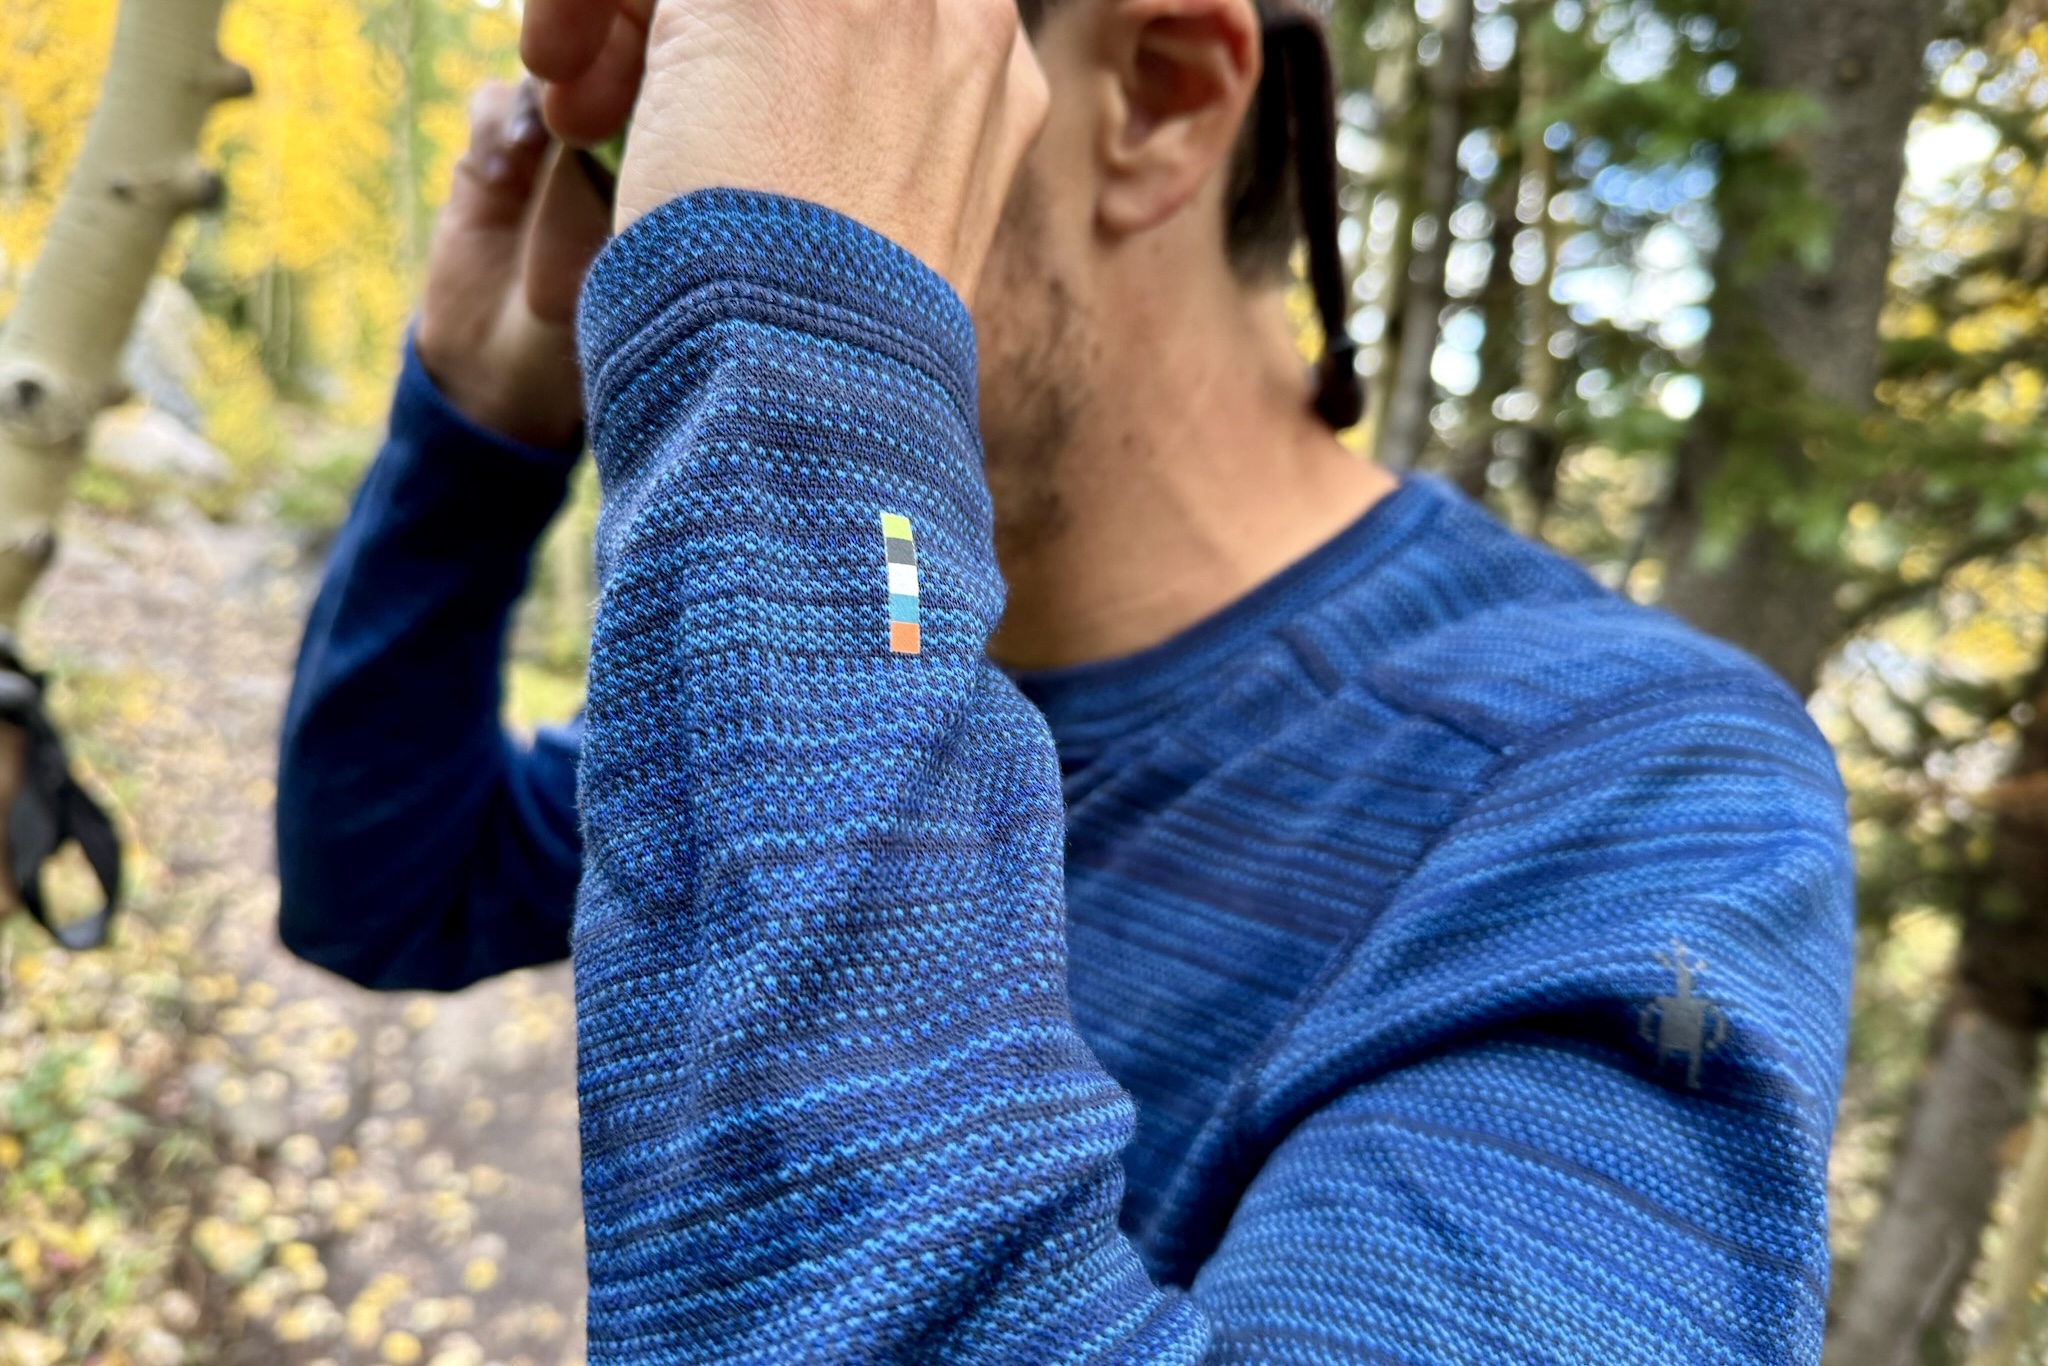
x=910, y=116
x=523, y=223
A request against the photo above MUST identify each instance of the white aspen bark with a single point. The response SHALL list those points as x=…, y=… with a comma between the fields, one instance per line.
x=136, y=175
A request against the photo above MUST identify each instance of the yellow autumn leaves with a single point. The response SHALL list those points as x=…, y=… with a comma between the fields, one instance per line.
x=307, y=274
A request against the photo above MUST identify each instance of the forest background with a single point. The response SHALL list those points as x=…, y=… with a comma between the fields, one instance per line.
x=1740, y=305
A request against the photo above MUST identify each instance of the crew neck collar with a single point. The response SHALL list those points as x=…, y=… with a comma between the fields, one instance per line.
x=1084, y=700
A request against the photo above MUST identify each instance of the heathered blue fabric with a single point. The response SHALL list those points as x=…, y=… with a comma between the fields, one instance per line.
x=1371, y=893
x=419, y=846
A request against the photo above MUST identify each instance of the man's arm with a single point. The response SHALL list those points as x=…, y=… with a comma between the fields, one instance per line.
x=833, y=1104
x=419, y=846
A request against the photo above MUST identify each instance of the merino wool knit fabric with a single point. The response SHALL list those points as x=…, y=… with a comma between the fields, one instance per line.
x=1430, y=958
x=1434, y=959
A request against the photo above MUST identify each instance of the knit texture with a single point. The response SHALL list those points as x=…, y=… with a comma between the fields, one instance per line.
x=1473, y=945
x=418, y=845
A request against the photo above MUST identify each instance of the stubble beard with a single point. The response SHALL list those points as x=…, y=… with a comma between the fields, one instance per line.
x=1035, y=385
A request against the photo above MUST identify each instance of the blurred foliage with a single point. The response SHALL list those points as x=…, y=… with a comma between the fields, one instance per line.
x=306, y=277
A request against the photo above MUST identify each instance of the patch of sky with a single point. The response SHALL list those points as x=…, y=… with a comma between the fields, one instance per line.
x=1661, y=288
x=1476, y=154
x=1644, y=50
x=1677, y=394
x=1466, y=269
x=1573, y=206
x=1464, y=329
x=1357, y=151
x=1957, y=78
x=1527, y=260
x=1580, y=250
x=1493, y=41
x=1386, y=29
x=1472, y=222
x=1654, y=190
x=1941, y=54
x=1368, y=325
x=1941, y=152
x=1455, y=368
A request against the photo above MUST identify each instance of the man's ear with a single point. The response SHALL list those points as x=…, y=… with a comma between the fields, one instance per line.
x=1183, y=75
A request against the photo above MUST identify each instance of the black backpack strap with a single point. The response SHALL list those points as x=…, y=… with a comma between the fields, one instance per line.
x=51, y=810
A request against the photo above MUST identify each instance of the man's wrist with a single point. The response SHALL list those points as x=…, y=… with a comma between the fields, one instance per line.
x=424, y=399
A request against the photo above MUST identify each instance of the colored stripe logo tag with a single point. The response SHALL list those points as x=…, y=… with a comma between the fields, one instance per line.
x=901, y=548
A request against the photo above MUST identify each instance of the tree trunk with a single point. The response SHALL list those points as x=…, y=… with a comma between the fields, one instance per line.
x=1946, y=1174
x=2003, y=1329
x=1541, y=371
x=1395, y=89
x=1405, y=429
x=1925, y=1241
x=138, y=172
x=1860, y=60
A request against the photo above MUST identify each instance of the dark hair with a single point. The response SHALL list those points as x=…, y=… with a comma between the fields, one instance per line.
x=1283, y=185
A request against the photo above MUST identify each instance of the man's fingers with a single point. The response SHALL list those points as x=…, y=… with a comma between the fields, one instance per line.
x=559, y=39
x=494, y=181
x=570, y=228
x=593, y=104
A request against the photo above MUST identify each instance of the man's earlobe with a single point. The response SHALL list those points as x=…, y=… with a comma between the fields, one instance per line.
x=1186, y=72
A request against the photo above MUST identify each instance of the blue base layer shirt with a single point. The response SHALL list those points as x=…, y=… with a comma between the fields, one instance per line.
x=1430, y=958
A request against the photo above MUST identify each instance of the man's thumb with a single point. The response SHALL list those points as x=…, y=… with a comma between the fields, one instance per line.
x=570, y=228
x=507, y=142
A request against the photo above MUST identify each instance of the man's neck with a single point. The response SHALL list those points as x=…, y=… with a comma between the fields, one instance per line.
x=1198, y=473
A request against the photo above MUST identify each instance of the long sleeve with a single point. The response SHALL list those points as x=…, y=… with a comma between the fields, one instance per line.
x=834, y=1105
x=419, y=845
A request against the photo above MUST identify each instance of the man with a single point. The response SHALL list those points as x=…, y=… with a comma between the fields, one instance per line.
x=1337, y=931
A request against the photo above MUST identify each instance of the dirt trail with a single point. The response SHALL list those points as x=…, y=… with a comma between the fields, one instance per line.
x=426, y=1147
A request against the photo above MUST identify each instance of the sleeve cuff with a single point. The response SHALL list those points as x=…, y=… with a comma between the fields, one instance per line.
x=722, y=255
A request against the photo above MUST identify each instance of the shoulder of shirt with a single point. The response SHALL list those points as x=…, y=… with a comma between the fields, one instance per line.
x=1512, y=644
